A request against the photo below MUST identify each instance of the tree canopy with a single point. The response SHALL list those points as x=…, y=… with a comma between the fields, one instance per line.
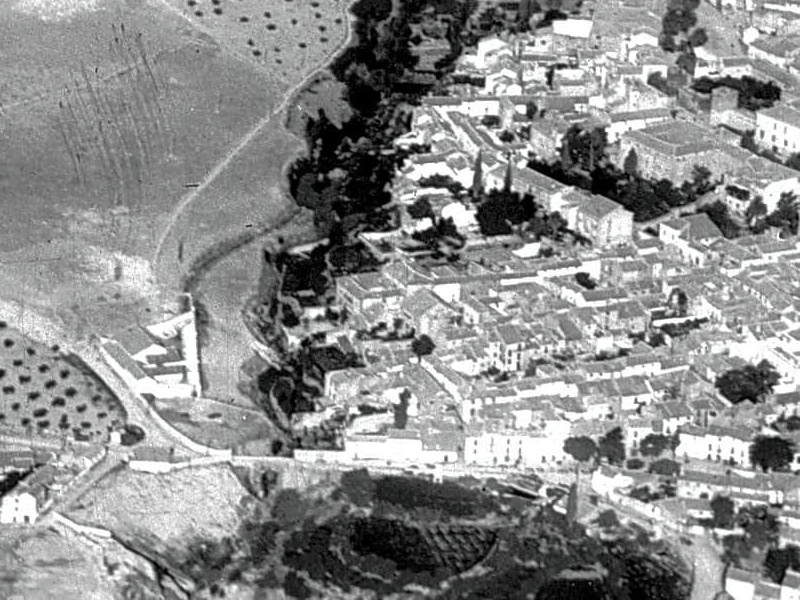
x=581, y=448
x=653, y=444
x=750, y=382
x=771, y=453
x=422, y=346
x=612, y=446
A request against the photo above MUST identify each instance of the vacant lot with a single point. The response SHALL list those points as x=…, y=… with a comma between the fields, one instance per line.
x=41, y=392
x=215, y=424
x=38, y=563
x=174, y=507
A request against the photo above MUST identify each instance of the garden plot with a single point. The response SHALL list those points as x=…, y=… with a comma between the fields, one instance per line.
x=41, y=392
x=288, y=37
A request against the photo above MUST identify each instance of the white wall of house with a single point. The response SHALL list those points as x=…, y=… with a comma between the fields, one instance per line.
x=18, y=508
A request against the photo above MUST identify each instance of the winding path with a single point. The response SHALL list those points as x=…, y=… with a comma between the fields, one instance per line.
x=218, y=168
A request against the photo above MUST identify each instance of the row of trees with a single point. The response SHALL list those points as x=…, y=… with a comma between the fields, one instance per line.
x=610, y=446
x=584, y=163
x=754, y=94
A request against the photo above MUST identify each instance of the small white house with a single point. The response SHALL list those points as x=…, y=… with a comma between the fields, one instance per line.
x=18, y=507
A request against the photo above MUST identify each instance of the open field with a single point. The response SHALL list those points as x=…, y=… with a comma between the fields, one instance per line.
x=215, y=424
x=109, y=124
x=174, y=508
x=43, y=392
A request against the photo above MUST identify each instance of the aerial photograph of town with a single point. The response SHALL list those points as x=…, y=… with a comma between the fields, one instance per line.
x=404, y=299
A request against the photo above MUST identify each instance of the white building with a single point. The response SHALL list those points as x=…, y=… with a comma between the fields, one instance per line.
x=778, y=128
x=715, y=443
x=19, y=507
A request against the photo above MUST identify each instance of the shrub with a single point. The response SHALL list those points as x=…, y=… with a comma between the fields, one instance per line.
x=2, y=373
x=58, y=401
x=9, y=389
x=30, y=351
x=70, y=392
x=43, y=368
x=217, y=10
x=49, y=384
x=15, y=406
x=2, y=417
x=63, y=373
x=81, y=408
x=634, y=463
x=25, y=421
x=131, y=434
x=102, y=415
x=40, y=412
x=24, y=378
x=8, y=342
x=17, y=362
x=43, y=424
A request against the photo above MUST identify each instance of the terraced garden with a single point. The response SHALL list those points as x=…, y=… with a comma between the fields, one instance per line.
x=42, y=392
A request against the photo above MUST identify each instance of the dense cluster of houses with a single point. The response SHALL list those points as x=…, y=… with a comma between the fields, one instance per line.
x=533, y=347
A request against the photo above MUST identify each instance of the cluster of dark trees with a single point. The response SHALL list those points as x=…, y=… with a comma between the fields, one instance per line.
x=584, y=163
x=501, y=212
x=748, y=142
x=754, y=94
x=750, y=382
x=679, y=32
x=772, y=453
x=760, y=525
x=756, y=219
x=611, y=447
x=345, y=177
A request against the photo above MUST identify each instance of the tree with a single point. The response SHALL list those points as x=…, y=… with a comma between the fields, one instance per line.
x=666, y=467
x=612, y=446
x=785, y=214
x=422, y=346
x=793, y=423
x=750, y=382
x=724, y=512
x=793, y=162
x=634, y=463
x=748, y=141
x=421, y=209
x=531, y=110
x=679, y=301
x=779, y=560
x=771, y=452
x=506, y=136
x=631, y=164
x=701, y=180
x=653, y=444
x=508, y=179
x=572, y=503
x=477, y=177
x=401, y=410
x=698, y=37
x=755, y=211
x=581, y=448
